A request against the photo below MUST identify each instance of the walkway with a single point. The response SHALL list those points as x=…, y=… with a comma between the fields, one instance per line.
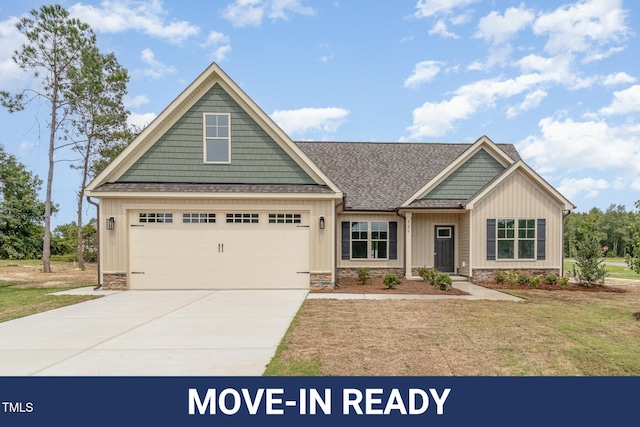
x=475, y=293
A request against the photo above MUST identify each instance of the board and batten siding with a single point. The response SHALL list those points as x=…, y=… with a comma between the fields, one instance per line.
x=519, y=198
x=371, y=263
x=114, y=257
x=423, y=239
x=464, y=242
x=178, y=155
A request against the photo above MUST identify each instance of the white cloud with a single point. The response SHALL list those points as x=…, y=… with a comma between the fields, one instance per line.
x=427, y=8
x=569, y=145
x=140, y=120
x=136, y=101
x=624, y=102
x=280, y=9
x=618, y=78
x=440, y=29
x=148, y=17
x=243, y=13
x=584, y=26
x=571, y=187
x=423, y=72
x=531, y=100
x=437, y=118
x=498, y=29
x=11, y=76
x=306, y=119
x=221, y=46
x=216, y=38
x=326, y=58
x=158, y=70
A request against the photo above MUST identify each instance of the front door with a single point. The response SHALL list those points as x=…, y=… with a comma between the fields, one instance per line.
x=444, y=250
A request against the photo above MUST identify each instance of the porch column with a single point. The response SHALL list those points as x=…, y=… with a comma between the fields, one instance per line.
x=407, y=243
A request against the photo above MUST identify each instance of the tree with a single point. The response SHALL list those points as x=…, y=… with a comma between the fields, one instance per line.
x=98, y=118
x=633, y=258
x=21, y=213
x=589, y=268
x=55, y=44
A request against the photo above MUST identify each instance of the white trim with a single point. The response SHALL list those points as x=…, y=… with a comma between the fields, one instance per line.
x=205, y=138
x=170, y=115
x=193, y=195
x=482, y=142
x=522, y=166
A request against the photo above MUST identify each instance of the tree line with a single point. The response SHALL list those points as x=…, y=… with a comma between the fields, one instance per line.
x=83, y=89
x=613, y=228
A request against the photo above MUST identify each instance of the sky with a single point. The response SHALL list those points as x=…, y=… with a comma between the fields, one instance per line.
x=560, y=80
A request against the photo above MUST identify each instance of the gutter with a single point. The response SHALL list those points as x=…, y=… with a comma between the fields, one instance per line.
x=97, y=238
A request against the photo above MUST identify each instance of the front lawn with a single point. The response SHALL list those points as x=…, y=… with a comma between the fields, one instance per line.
x=20, y=301
x=552, y=333
x=26, y=290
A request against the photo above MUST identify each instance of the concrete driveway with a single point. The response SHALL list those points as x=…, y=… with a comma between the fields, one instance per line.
x=157, y=333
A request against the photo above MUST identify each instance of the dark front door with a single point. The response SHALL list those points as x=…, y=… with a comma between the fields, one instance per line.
x=444, y=251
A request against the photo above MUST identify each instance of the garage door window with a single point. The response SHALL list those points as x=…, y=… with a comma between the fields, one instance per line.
x=198, y=218
x=283, y=218
x=242, y=218
x=155, y=218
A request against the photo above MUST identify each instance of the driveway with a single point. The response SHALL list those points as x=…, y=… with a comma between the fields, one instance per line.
x=152, y=333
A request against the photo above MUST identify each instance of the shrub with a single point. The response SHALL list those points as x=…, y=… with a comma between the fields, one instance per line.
x=390, y=280
x=551, y=279
x=499, y=276
x=512, y=278
x=428, y=274
x=535, y=281
x=564, y=281
x=589, y=268
x=363, y=274
x=524, y=279
x=442, y=281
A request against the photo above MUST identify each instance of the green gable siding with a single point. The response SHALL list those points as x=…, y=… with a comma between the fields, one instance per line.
x=177, y=157
x=468, y=179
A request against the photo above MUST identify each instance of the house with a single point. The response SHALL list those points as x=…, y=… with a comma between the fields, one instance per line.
x=213, y=194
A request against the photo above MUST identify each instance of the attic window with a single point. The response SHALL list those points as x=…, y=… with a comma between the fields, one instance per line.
x=217, y=140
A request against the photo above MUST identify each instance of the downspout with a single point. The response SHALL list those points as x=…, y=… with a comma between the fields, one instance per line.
x=404, y=240
x=565, y=213
x=338, y=242
x=97, y=239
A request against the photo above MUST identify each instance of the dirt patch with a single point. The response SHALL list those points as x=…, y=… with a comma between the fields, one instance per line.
x=29, y=274
x=375, y=286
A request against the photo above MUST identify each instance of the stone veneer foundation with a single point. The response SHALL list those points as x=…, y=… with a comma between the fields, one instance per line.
x=114, y=281
x=321, y=281
x=353, y=272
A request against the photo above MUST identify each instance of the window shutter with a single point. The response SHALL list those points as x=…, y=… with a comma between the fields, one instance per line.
x=393, y=240
x=491, y=239
x=541, y=239
x=346, y=240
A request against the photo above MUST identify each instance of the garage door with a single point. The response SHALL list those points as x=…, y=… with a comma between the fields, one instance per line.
x=218, y=250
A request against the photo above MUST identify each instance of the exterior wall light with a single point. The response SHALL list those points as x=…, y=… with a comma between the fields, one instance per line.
x=321, y=222
x=111, y=223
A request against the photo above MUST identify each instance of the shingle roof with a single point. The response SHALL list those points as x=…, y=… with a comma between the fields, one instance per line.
x=382, y=176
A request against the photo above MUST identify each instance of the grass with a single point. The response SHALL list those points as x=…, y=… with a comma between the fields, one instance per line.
x=18, y=302
x=615, y=271
x=551, y=333
x=26, y=290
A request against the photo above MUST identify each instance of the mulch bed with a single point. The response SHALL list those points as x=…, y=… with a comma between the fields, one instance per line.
x=556, y=287
x=375, y=286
